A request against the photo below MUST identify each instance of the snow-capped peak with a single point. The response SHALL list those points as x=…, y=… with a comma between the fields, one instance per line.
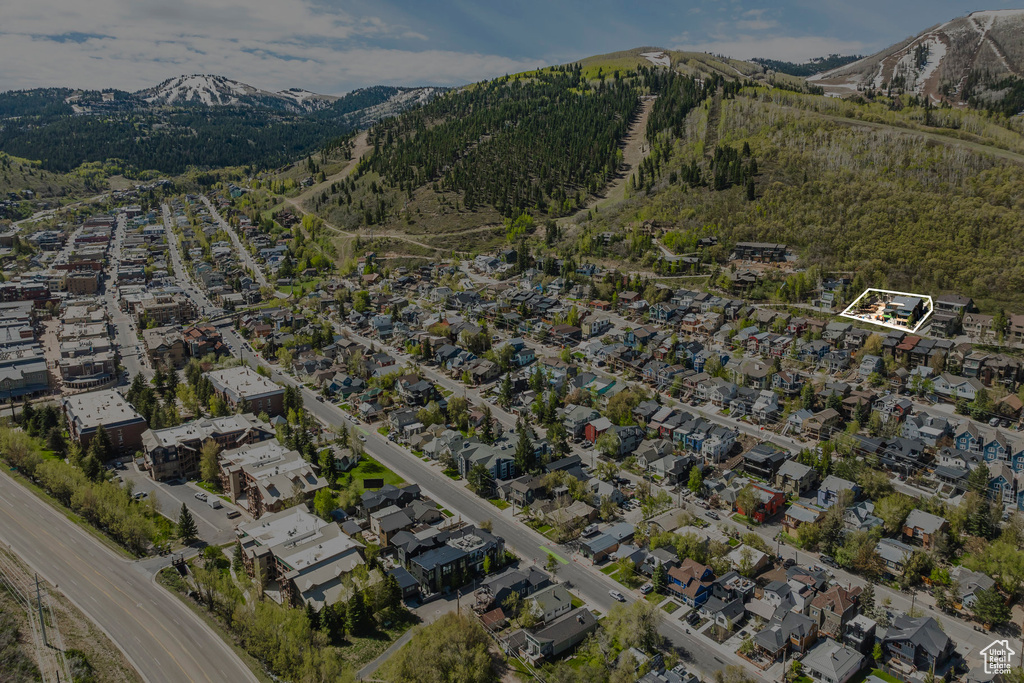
x=212, y=90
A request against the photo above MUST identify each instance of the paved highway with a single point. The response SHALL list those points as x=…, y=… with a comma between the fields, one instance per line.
x=162, y=638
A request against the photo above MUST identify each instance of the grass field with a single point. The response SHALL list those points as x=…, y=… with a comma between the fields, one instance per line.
x=368, y=468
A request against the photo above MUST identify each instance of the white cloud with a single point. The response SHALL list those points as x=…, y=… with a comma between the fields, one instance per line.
x=755, y=24
x=789, y=48
x=273, y=44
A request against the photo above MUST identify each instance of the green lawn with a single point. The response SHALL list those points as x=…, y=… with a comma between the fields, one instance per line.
x=887, y=677
x=499, y=503
x=733, y=542
x=743, y=519
x=210, y=488
x=382, y=430
x=670, y=606
x=452, y=473
x=368, y=468
x=609, y=570
x=654, y=598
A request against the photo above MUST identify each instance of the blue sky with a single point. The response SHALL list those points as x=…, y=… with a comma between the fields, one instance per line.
x=332, y=47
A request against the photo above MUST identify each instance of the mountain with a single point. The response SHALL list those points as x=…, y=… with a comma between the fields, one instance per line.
x=967, y=59
x=214, y=90
x=201, y=121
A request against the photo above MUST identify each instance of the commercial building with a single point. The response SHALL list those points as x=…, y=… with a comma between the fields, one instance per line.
x=269, y=476
x=87, y=412
x=243, y=384
x=175, y=451
x=307, y=556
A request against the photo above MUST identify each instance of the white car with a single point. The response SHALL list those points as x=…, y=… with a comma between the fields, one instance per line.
x=617, y=595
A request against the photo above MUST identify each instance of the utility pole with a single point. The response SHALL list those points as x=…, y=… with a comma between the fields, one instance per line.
x=39, y=605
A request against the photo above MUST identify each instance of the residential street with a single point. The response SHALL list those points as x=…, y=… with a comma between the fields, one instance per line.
x=162, y=638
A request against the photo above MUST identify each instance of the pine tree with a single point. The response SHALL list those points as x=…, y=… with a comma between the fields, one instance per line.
x=660, y=579
x=524, y=456
x=187, y=530
x=867, y=600
x=356, y=614
x=487, y=428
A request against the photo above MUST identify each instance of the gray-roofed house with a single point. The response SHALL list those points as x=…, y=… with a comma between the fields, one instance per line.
x=917, y=642
x=562, y=635
x=894, y=555
x=795, y=478
x=550, y=603
x=969, y=583
x=923, y=528
x=830, y=662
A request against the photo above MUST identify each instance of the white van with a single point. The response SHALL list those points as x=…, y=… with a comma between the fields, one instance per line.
x=214, y=502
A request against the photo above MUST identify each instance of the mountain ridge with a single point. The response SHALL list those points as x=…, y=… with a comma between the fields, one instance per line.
x=965, y=58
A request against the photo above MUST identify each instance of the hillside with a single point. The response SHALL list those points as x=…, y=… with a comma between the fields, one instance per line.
x=963, y=59
x=902, y=200
x=904, y=195
x=203, y=122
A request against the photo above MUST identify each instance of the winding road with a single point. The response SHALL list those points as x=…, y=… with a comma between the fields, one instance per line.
x=161, y=637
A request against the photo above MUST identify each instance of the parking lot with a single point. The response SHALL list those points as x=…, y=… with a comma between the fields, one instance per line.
x=214, y=525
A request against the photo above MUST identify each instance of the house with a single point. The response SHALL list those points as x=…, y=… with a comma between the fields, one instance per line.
x=691, y=582
x=831, y=488
x=833, y=608
x=916, y=642
x=766, y=408
x=969, y=583
x=830, y=662
x=795, y=478
x=923, y=528
x=794, y=632
x=764, y=460
x=747, y=560
x=577, y=418
x=770, y=502
x=496, y=588
x=387, y=522
x=861, y=517
x=726, y=613
x=596, y=428
x=799, y=514
x=460, y=556
x=559, y=637
x=549, y=603
x=894, y=555
x=822, y=424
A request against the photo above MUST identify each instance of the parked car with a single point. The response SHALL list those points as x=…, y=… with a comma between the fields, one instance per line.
x=828, y=561
x=617, y=595
x=788, y=562
x=711, y=514
x=646, y=588
x=362, y=437
x=234, y=513
x=201, y=496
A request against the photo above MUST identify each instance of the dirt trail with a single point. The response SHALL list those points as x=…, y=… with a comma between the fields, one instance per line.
x=711, y=127
x=928, y=135
x=360, y=146
x=634, y=149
